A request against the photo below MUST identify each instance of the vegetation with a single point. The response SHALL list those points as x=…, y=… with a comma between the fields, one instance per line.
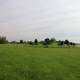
x=3, y=40
x=21, y=41
x=21, y=62
x=36, y=42
x=31, y=61
x=46, y=42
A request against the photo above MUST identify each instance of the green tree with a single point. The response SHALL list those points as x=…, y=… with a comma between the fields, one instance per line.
x=36, y=42
x=21, y=41
x=52, y=40
x=3, y=40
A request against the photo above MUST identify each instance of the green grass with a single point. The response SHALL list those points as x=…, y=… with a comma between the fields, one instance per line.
x=19, y=62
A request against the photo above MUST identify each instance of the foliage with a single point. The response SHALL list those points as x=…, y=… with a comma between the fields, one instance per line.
x=36, y=42
x=21, y=41
x=46, y=42
x=3, y=40
x=30, y=42
x=52, y=40
x=19, y=62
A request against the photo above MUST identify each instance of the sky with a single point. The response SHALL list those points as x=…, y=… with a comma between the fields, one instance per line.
x=30, y=19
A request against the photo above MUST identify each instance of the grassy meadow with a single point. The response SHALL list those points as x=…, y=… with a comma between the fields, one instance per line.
x=21, y=62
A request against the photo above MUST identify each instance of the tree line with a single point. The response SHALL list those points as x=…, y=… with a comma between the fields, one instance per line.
x=46, y=42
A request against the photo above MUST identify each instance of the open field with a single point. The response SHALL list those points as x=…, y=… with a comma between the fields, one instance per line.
x=19, y=62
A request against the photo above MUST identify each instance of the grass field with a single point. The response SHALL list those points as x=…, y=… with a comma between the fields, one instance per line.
x=19, y=62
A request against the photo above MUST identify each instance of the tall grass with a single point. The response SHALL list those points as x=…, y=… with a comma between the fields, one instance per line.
x=21, y=62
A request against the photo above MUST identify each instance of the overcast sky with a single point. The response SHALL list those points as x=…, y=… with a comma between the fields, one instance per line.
x=30, y=19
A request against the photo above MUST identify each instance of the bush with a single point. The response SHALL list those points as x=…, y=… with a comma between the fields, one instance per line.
x=3, y=40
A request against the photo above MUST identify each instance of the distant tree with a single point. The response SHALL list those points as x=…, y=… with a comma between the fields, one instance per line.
x=13, y=42
x=21, y=41
x=62, y=43
x=3, y=40
x=24, y=42
x=47, y=41
x=36, y=42
x=66, y=42
x=45, y=44
x=52, y=40
x=72, y=44
x=30, y=42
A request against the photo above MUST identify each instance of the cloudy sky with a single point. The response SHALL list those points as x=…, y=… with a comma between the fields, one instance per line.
x=30, y=19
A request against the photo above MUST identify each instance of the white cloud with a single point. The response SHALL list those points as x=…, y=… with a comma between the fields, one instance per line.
x=46, y=18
